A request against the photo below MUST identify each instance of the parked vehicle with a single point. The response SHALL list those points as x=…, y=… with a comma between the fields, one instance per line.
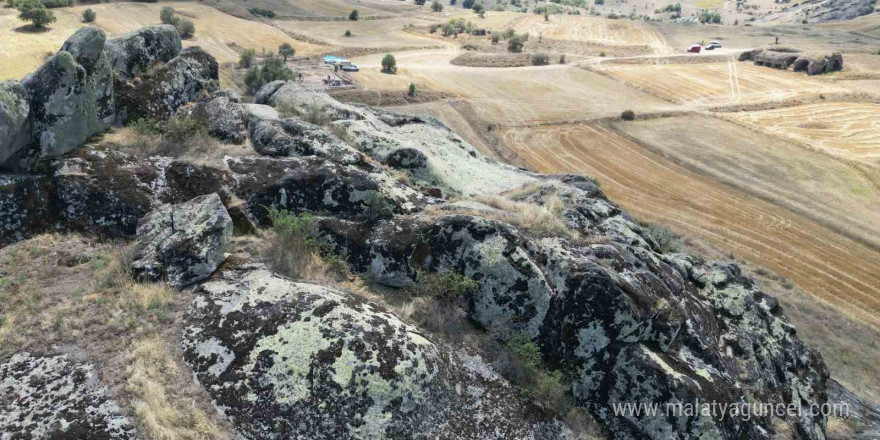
x=349, y=67
x=713, y=45
x=695, y=48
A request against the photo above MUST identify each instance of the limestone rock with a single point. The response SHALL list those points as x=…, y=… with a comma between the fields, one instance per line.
x=222, y=113
x=293, y=137
x=135, y=53
x=183, y=243
x=52, y=397
x=294, y=360
x=15, y=120
x=70, y=101
x=158, y=96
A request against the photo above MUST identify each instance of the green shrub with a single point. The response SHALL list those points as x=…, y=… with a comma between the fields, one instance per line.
x=35, y=12
x=436, y=6
x=354, y=15
x=562, y=59
x=297, y=249
x=51, y=4
x=446, y=286
x=377, y=206
x=495, y=38
x=316, y=115
x=412, y=90
x=515, y=44
x=166, y=15
x=389, y=64
x=525, y=368
x=89, y=16
x=186, y=28
x=667, y=240
x=246, y=58
x=286, y=50
x=262, y=12
x=348, y=33
x=272, y=69
x=145, y=127
x=540, y=59
x=628, y=115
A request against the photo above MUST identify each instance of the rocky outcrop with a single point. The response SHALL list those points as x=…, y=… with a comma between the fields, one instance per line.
x=71, y=98
x=318, y=185
x=184, y=243
x=159, y=95
x=821, y=11
x=137, y=53
x=15, y=119
x=294, y=360
x=293, y=137
x=53, y=397
x=222, y=113
x=303, y=101
x=24, y=207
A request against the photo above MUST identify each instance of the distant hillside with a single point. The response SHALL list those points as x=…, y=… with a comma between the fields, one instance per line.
x=821, y=11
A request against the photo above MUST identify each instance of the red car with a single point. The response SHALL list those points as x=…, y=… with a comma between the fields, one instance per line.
x=695, y=48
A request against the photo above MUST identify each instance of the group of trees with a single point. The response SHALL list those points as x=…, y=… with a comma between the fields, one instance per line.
x=272, y=69
x=36, y=12
x=710, y=16
x=186, y=28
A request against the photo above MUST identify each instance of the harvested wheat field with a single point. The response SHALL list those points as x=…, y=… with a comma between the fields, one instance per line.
x=847, y=130
x=592, y=30
x=218, y=33
x=510, y=95
x=383, y=33
x=828, y=264
x=335, y=8
x=718, y=83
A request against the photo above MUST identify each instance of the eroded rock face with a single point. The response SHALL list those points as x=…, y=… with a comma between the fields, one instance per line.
x=183, y=243
x=293, y=360
x=24, y=207
x=15, y=120
x=320, y=186
x=71, y=97
x=304, y=101
x=52, y=397
x=293, y=137
x=183, y=79
x=135, y=53
x=222, y=113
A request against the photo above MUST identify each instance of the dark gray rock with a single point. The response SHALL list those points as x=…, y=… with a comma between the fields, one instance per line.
x=222, y=113
x=136, y=53
x=184, y=243
x=159, y=95
x=52, y=397
x=70, y=101
x=293, y=360
x=24, y=207
x=822, y=11
x=320, y=186
x=15, y=120
x=293, y=137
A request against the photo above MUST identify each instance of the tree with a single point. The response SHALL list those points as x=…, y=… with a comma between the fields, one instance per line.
x=186, y=28
x=437, y=6
x=35, y=12
x=628, y=115
x=515, y=44
x=354, y=15
x=166, y=15
x=546, y=15
x=467, y=4
x=89, y=16
x=286, y=50
x=246, y=58
x=389, y=64
x=451, y=2
x=412, y=90
x=272, y=69
x=479, y=9
x=419, y=2
x=348, y=33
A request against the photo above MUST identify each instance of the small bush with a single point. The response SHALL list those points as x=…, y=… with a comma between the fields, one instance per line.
x=316, y=115
x=495, y=38
x=166, y=15
x=51, y=4
x=515, y=44
x=447, y=286
x=246, y=58
x=562, y=59
x=272, y=69
x=436, y=6
x=186, y=28
x=286, y=50
x=378, y=206
x=412, y=90
x=347, y=33
x=297, y=249
x=389, y=64
x=89, y=16
x=262, y=12
x=354, y=15
x=524, y=367
x=667, y=240
x=540, y=59
x=145, y=127
x=628, y=115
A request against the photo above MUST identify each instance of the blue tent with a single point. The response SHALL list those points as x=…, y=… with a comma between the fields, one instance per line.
x=330, y=59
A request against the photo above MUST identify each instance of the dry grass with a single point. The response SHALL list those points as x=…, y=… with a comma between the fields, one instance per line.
x=74, y=295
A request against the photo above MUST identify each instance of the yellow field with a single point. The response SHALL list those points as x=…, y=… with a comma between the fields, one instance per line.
x=719, y=83
x=335, y=8
x=592, y=30
x=848, y=130
x=366, y=33
x=653, y=188
x=510, y=95
x=21, y=53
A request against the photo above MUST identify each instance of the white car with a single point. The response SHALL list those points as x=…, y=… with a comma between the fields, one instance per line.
x=713, y=45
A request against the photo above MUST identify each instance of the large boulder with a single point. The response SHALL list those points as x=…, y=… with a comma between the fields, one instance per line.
x=136, y=53
x=71, y=97
x=222, y=113
x=53, y=397
x=183, y=243
x=24, y=207
x=320, y=186
x=294, y=97
x=15, y=120
x=158, y=95
x=292, y=360
x=294, y=137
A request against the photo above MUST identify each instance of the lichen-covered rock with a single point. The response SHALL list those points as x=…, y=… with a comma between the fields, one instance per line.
x=304, y=101
x=71, y=97
x=136, y=53
x=254, y=113
x=24, y=207
x=222, y=113
x=321, y=186
x=291, y=360
x=15, y=120
x=777, y=60
x=158, y=95
x=52, y=397
x=293, y=137
x=183, y=243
